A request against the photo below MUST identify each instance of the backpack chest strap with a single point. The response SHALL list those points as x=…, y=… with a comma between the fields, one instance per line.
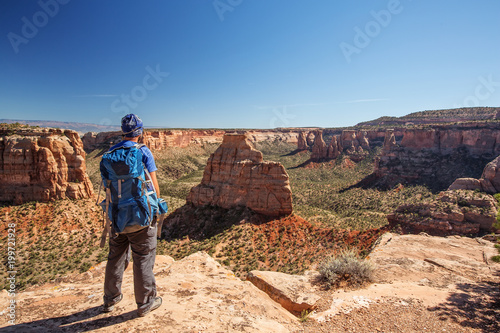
x=120, y=181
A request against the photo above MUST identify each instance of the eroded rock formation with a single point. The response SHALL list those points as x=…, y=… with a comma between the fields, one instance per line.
x=389, y=141
x=452, y=213
x=42, y=164
x=103, y=140
x=353, y=143
x=158, y=140
x=302, y=142
x=236, y=175
x=333, y=148
x=319, y=148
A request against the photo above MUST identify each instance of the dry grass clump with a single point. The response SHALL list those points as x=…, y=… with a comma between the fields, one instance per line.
x=346, y=268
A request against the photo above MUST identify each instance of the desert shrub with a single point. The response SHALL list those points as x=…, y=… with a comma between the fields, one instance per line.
x=497, y=224
x=497, y=258
x=346, y=267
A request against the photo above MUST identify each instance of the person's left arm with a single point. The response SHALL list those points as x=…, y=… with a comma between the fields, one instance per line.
x=155, y=183
x=150, y=164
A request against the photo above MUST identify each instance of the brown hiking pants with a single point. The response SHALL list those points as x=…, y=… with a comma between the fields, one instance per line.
x=143, y=245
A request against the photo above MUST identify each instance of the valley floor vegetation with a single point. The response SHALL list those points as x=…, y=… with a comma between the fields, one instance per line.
x=331, y=213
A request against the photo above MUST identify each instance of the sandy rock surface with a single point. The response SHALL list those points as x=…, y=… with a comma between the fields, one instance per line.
x=198, y=296
x=422, y=283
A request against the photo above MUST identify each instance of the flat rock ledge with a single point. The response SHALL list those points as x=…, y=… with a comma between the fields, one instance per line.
x=293, y=292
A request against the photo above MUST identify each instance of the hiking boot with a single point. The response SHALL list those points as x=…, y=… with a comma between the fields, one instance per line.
x=110, y=307
x=156, y=304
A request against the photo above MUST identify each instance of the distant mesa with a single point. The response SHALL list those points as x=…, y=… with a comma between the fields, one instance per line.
x=40, y=164
x=236, y=175
x=78, y=127
x=437, y=117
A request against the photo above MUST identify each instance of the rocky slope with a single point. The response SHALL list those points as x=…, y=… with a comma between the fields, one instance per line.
x=457, y=212
x=236, y=175
x=42, y=164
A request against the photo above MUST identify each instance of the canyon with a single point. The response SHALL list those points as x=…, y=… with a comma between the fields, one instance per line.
x=236, y=186
x=163, y=139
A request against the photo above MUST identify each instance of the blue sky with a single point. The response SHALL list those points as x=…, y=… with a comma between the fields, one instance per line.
x=245, y=63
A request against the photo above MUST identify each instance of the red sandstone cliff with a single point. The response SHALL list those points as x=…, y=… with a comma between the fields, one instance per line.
x=319, y=148
x=42, y=164
x=302, y=142
x=161, y=139
x=438, y=155
x=353, y=143
x=236, y=175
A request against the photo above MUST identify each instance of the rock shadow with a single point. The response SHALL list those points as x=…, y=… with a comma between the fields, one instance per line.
x=475, y=306
x=370, y=181
x=309, y=161
x=294, y=152
x=76, y=322
x=199, y=223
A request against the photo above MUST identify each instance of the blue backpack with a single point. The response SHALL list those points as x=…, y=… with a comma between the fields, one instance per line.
x=130, y=196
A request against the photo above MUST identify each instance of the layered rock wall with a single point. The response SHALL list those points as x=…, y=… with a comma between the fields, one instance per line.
x=438, y=155
x=42, y=164
x=452, y=213
x=236, y=175
x=162, y=139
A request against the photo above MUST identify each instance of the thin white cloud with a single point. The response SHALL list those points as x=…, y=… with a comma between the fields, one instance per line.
x=96, y=95
x=266, y=107
x=368, y=100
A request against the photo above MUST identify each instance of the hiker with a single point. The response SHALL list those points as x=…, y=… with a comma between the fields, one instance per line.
x=135, y=233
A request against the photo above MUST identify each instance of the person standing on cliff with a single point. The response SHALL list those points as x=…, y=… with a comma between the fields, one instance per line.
x=141, y=239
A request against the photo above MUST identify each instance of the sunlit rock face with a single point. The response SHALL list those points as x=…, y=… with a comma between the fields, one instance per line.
x=236, y=175
x=42, y=164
